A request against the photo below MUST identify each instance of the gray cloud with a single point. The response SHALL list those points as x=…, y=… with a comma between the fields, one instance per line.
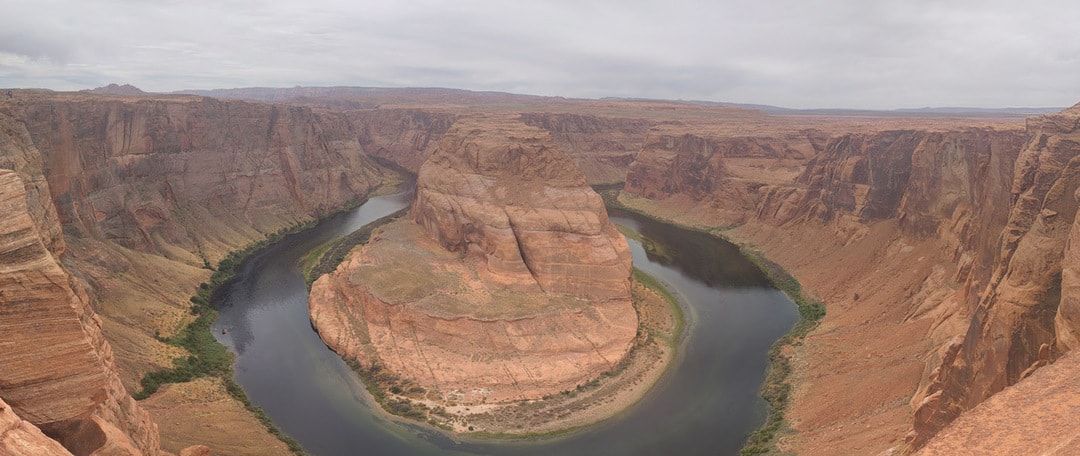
x=839, y=53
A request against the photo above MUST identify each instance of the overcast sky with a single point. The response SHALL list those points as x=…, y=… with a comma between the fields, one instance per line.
x=793, y=53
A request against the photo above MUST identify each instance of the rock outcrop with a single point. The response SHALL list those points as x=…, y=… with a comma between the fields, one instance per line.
x=898, y=230
x=22, y=437
x=602, y=147
x=131, y=197
x=506, y=192
x=405, y=137
x=729, y=173
x=508, y=282
x=1025, y=316
x=56, y=368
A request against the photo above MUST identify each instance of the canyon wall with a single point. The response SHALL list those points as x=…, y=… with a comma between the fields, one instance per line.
x=723, y=171
x=507, y=282
x=405, y=137
x=150, y=174
x=56, y=368
x=601, y=147
x=899, y=232
x=130, y=198
x=1025, y=315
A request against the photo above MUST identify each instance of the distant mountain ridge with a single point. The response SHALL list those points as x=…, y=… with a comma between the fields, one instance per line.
x=901, y=112
x=116, y=89
x=371, y=97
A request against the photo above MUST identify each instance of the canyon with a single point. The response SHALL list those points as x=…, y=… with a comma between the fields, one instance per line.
x=942, y=247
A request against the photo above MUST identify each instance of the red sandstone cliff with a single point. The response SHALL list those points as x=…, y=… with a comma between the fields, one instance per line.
x=511, y=283
x=22, y=437
x=148, y=174
x=601, y=147
x=56, y=369
x=898, y=231
x=145, y=191
x=406, y=137
x=1025, y=316
x=724, y=171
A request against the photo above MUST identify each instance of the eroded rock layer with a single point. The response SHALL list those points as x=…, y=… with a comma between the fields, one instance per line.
x=899, y=231
x=508, y=282
x=1025, y=316
x=56, y=369
x=133, y=197
x=22, y=437
x=725, y=171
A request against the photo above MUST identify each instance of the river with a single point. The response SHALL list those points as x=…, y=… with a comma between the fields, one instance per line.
x=707, y=402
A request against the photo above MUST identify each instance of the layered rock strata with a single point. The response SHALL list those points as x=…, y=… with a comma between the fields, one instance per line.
x=507, y=283
x=56, y=368
x=22, y=437
x=898, y=231
x=149, y=190
x=1025, y=316
x=601, y=147
x=726, y=172
x=133, y=196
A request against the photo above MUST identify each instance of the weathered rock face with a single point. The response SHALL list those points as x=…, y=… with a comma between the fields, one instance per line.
x=511, y=283
x=508, y=193
x=56, y=369
x=22, y=437
x=911, y=219
x=406, y=137
x=922, y=179
x=602, y=147
x=1025, y=316
x=17, y=152
x=148, y=174
x=729, y=173
x=1035, y=416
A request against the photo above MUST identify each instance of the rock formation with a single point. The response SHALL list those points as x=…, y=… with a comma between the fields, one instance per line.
x=133, y=197
x=945, y=250
x=405, y=137
x=1026, y=315
x=724, y=171
x=602, y=147
x=22, y=437
x=56, y=369
x=508, y=282
x=149, y=174
x=507, y=191
x=1035, y=416
x=923, y=207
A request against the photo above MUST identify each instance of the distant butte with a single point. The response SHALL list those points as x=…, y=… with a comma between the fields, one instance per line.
x=115, y=89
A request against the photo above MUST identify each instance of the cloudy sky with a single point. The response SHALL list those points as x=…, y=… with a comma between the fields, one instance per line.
x=794, y=53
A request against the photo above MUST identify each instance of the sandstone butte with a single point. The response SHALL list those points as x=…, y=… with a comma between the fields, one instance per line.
x=942, y=247
x=506, y=281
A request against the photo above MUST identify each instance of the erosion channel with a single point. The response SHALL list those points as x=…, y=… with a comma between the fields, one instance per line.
x=707, y=403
